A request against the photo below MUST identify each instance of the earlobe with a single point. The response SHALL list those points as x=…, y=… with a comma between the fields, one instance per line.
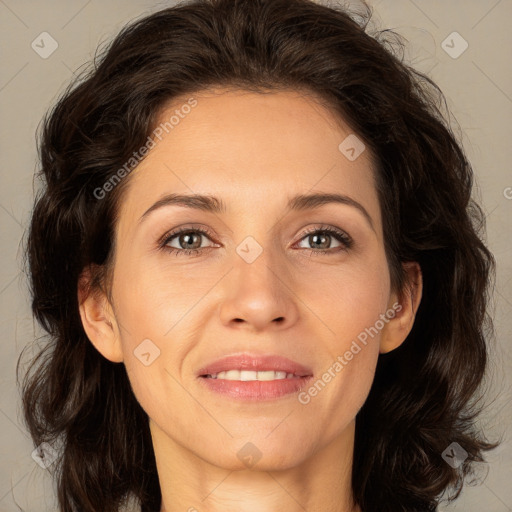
x=399, y=327
x=98, y=320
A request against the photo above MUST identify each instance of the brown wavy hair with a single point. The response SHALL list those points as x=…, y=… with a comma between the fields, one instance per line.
x=426, y=394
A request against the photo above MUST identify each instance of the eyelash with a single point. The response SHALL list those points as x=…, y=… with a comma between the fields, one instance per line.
x=339, y=235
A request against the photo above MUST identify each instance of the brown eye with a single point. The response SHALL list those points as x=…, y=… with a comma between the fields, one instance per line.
x=323, y=239
x=186, y=241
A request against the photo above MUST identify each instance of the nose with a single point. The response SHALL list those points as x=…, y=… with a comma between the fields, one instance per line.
x=258, y=296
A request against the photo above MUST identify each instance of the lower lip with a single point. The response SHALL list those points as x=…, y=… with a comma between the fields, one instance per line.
x=255, y=389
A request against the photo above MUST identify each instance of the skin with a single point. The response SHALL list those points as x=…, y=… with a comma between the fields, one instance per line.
x=253, y=151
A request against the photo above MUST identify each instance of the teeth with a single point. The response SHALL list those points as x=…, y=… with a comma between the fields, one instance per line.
x=268, y=375
x=249, y=375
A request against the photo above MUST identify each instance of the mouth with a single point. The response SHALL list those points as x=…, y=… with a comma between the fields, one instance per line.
x=254, y=377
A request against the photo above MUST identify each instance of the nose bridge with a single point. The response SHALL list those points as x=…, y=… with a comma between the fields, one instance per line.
x=257, y=254
x=257, y=293
x=256, y=276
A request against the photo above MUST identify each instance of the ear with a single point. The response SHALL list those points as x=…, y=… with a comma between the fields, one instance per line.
x=98, y=319
x=405, y=308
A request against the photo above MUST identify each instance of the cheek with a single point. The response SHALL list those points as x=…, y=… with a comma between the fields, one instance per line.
x=158, y=322
x=349, y=304
x=155, y=299
x=347, y=299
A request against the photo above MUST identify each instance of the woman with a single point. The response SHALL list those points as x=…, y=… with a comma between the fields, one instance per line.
x=255, y=254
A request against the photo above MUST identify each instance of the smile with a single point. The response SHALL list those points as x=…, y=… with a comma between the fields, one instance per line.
x=254, y=377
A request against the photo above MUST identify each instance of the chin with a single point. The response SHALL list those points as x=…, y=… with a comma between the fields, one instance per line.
x=261, y=455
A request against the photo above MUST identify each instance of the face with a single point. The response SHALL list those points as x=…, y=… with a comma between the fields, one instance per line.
x=259, y=273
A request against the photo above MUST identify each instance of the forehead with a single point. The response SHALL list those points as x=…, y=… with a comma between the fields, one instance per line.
x=249, y=148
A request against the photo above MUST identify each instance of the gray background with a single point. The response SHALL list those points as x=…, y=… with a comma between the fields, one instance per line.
x=478, y=87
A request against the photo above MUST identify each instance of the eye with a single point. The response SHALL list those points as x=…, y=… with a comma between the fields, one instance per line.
x=186, y=241
x=320, y=240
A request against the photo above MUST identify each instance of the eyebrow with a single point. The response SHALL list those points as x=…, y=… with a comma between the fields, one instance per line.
x=215, y=205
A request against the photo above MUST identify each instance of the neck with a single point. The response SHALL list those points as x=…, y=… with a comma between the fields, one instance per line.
x=191, y=484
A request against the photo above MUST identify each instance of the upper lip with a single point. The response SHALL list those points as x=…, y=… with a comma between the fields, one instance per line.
x=255, y=363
